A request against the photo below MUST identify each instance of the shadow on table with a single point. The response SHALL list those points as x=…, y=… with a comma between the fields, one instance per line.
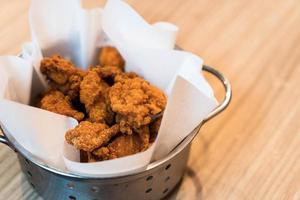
x=28, y=190
x=189, y=174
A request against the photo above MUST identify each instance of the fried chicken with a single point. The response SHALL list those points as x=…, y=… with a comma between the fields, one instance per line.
x=107, y=71
x=56, y=101
x=118, y=108
x=93, y=94
x=121, y=146
x=88, y=136
x=109, y=56
x=135, y=101
x=62, y=75
x=144, y=134
x=126, y=75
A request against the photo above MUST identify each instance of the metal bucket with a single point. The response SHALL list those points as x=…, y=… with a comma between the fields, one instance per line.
x=156, y=182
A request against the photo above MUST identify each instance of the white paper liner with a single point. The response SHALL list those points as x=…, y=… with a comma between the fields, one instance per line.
x=64, y=27
x=43, y=142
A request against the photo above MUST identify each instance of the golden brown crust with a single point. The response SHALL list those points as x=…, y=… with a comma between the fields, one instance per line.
x=62, y=75
x=107, y=71
x=93, y=94
x=126, y=75
x=109, y=56
x=88, y=136
x=103, y=153
x=144, y=134
x=135, y=101
x=121, y=146
x=56, y=101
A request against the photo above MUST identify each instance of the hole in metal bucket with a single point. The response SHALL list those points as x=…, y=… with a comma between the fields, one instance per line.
x=95, y=189
x=166, y=190
x=148, y=190
x=33, y=186
x=168, y=166
x=149, y=178
x=27, y=161
x=168, y=178
x=72, y=198
x=29, y=174
x=71, y=186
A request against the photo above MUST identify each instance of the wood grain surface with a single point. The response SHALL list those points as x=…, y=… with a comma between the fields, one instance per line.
x=251, y=151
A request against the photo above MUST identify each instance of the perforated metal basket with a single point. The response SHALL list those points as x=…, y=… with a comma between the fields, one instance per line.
x=154, y=183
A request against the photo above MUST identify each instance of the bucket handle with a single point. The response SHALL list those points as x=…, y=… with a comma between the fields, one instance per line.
x=3, y=139
x=228, y=92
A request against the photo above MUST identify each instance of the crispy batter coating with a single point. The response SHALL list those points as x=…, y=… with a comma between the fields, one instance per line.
x=91, y=88
x=135, y=101
x=56, y=101
x=62, y=75
x=126, y=75
x=101, y=112
x=109, y=56
x=88, y=136
x=93, y=94
x=121, y=146
x=144, y=134
x=125, y=126
x=108, y=71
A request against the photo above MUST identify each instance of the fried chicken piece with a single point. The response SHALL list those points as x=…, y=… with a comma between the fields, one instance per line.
x=135, y=101
x=88, y=136
x=101, y=112
x=125, y=127
x=93, y=94
x=62, y=75
x=91, y=88
x=56, y=101
x=121, y=146
x=91, y=157
x=126, y=75
x=144, y=134
x=107, y=71
x=110, y=56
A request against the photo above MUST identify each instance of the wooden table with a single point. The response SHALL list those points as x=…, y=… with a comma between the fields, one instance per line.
x=251, y=151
